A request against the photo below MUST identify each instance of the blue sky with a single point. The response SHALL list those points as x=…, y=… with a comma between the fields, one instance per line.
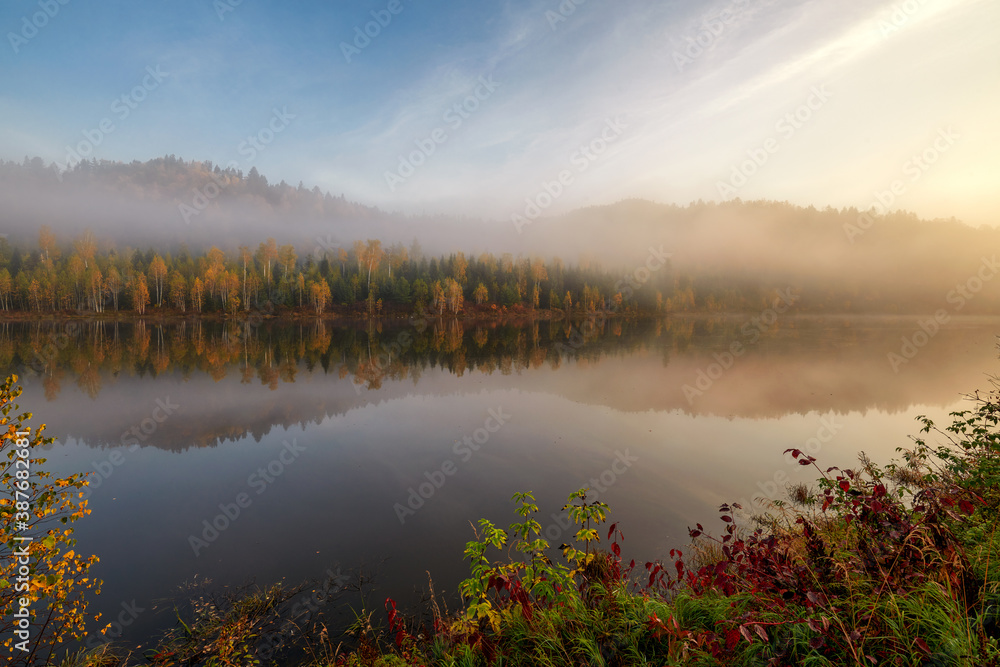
x=813, y=102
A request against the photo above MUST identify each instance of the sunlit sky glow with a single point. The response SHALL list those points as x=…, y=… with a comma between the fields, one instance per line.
x=895, y=77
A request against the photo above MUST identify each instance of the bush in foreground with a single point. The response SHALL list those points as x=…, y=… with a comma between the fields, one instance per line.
x=43, y=581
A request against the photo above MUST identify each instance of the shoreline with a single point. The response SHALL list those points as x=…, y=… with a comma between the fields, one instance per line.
x=516, y=316
x=345, y=316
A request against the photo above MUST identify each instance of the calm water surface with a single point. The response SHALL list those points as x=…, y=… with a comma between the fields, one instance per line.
x=372, y=447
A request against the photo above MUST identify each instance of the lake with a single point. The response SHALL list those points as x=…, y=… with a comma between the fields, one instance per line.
x=371, y=448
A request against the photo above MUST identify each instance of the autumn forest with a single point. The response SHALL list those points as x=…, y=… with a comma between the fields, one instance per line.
x=90, y=275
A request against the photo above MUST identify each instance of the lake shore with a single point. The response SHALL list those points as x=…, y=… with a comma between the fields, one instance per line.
x=338, y=315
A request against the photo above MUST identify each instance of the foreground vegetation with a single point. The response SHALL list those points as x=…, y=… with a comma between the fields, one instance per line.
x=873, y=565
x=45, y=584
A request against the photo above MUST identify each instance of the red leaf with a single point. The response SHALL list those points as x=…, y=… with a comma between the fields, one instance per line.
x=922, y=645
x=390, y=607
x=612, y=530
x=966, y=506
x=845, y=486
x=817, y=599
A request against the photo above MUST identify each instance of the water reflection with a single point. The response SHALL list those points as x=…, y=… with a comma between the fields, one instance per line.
x=797, y=366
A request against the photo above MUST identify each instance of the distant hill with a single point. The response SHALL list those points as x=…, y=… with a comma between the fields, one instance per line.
x=167, y=201
x=887, y=259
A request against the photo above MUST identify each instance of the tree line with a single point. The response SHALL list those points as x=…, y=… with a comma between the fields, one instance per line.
x=91, y=275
